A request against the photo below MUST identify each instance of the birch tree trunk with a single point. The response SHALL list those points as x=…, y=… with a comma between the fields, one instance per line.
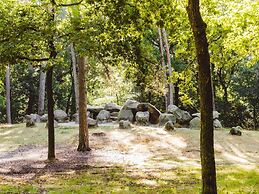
x=41, y=99
x=171, y=86
x=198, y=26
x=8, y=95
x=75, y=77
x=161, y=47
x=83, y=127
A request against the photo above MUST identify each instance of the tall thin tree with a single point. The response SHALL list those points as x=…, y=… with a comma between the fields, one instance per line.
x=41, y=100
x=198, y=26
x=8, y=94
x=75, y=74
x=83, y=127
x=161, y=48
x=168, y=57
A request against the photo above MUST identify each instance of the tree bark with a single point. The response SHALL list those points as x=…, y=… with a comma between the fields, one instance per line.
x=206, y=135
x=171, y=86
x=75, y=77
x=31, y=90
x=8, y=95
x=51, y=132
x=161, y=47
x=83, y=127
x=41, y=99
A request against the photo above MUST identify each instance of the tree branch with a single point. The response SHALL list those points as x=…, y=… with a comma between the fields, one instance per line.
x=33, y=59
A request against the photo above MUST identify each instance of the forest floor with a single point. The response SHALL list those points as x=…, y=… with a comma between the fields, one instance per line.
x=138, y=160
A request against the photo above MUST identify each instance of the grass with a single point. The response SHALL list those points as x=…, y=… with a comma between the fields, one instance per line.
x=233, y=179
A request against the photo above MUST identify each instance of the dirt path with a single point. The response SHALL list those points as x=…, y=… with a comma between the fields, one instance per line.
x=143, y=148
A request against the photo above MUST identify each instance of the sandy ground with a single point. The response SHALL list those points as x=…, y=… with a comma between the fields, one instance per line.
x=145, y=148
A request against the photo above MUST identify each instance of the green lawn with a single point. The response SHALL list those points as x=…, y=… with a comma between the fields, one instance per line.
x=116, y=180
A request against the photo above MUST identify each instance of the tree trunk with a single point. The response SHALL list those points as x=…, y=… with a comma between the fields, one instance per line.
x=254, y=117
x=161, y=47
x=83, y=127
x=171, y=86
x=41, y=99
x=31, y=91
x=75, y=77
x=8, y=95
x=206, y=135
x=51, y=133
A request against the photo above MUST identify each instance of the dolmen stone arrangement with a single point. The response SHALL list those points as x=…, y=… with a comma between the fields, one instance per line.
x=132, y=112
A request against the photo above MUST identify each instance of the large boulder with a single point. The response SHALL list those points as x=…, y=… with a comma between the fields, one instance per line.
x=91, y=122
x=44, y=118
x=217, y=124
x=169, y=126
x=112, y=107
x=103, y=116
x=142, y=118
x=30, y=123
x=128, y=110
x=126, y=115
x=182, y=116
x=173, y=109
x=236, y=131
x=131, y=105
x=34, y=117
x=60, y=116
x=94, y=110
x=114, y=116
x=124, y=124
x=154, y=113
x=186, y=117
x=165, y=117
x=195, y=123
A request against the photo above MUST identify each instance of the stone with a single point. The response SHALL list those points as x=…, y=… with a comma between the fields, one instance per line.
x=98, y=134
x=169, y=126
x=173, y=109
x=165, y=117
x=130, y=105
x=195, y=123
x=236, y=131
x=114, y=116
x=34, y=117
x=103, y=116
x=126, y=115
x=91, y=122
x=142, y=118
x=44, y=118
x=60, y=116
x=216, y=114
x=217, y=124
x=30, y=123
x=112, y=107
x=124, y=124
x=154, y=113
x=182, y=116
x=94, y=110
x=186, y=117
x=55, y=124
x=196, y=114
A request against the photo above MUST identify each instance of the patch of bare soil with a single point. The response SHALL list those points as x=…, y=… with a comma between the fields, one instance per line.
x=144, y=148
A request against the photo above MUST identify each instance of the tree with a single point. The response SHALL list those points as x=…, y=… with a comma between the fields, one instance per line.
x=83, y=127
x=8, y=95
x=75, y=76
x=41, y=100
x=198, y=26
x=169, y=65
